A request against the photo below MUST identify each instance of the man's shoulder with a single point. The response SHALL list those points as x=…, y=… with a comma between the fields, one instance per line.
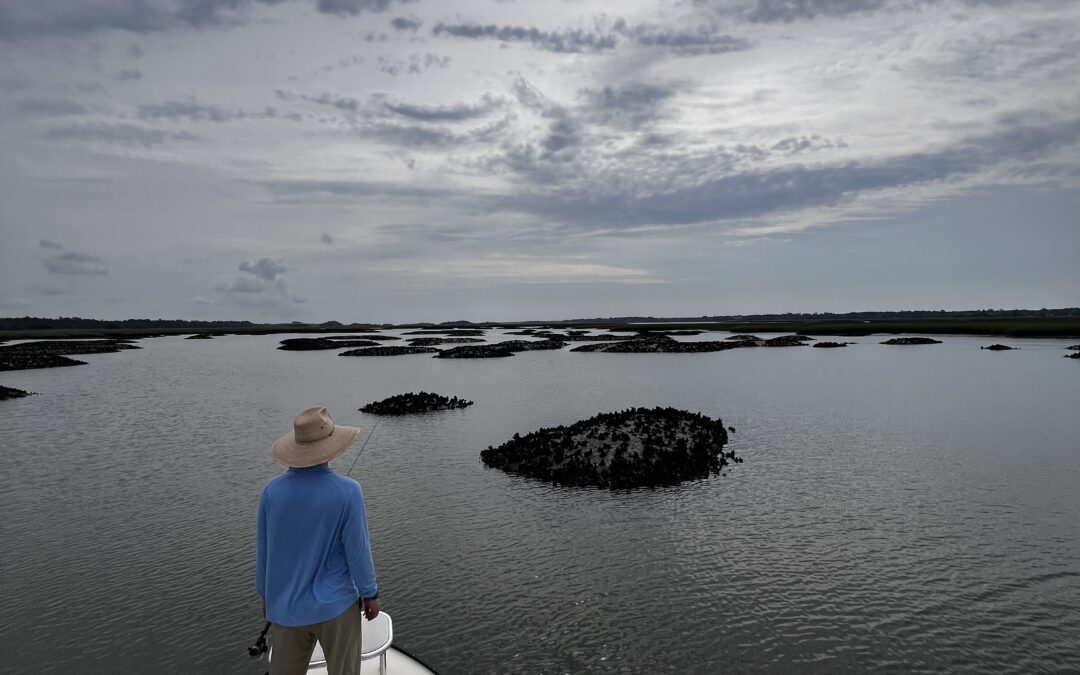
x=347, y=485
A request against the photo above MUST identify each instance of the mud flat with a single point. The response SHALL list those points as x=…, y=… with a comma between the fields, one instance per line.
x=656, y=344
x=449, y=332
x=412, y=403
x=639, y=447
x=314, y=344
x=499, y=349
x=432, y=341
x=392, y=350
x=912, y=341
x=53, y=353
x=7, y=393
x=495, y=351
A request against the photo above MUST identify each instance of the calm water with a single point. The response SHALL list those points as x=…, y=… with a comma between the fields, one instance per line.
x=910, y=509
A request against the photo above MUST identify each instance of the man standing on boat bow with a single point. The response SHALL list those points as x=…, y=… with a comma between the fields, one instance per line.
x=314, y=570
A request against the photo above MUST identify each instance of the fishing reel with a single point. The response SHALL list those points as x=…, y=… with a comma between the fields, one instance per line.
x=260, y=647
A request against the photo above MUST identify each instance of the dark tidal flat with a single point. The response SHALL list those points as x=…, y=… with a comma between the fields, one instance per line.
x=53, y=353
x=640, y=447
x=912, y=341
x=392, y=350
x=413, y=403
x=7, y=393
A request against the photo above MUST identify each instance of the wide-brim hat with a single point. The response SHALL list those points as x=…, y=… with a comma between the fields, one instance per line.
x=315, y=439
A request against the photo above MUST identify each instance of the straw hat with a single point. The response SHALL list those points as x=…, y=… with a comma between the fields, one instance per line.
x=314, y=439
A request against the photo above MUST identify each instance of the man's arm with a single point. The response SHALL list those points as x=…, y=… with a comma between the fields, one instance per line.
x=354, y=538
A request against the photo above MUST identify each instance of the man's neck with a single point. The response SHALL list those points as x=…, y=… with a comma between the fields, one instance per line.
x=318, y=468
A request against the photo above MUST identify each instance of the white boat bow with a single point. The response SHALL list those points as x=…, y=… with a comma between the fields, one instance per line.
x=379, y=656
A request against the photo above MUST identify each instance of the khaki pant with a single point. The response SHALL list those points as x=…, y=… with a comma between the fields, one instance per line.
x=339, y=637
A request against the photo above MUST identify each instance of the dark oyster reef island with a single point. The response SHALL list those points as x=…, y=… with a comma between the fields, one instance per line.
x=639, y=447
x=8, y=393
x=407, y=404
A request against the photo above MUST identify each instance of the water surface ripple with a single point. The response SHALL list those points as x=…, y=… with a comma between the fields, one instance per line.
x=900, y=509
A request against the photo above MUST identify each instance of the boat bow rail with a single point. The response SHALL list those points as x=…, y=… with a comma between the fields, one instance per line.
x=378, y=653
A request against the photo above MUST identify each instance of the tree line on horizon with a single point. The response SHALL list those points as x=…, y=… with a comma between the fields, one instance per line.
x=42, y=323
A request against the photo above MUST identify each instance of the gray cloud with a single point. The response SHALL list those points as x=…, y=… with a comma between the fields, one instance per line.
x=386, y=119
x=116, y=133
x=771, y=11
x=264, y=268
x=23, y=20
x=413, y=65
x=48, y=243
x=757, y=193
x=629, y=105
x=326, y=239
x=72, y=262
x=48, y=107
x=344, y=62
x=406, y=23
x=194, y=111
x=344, y=103
x=264, y=290
x=793, y=145
x=354, y=7
x=443, y=113
x=242, y=285
x=701, y=39
x=127, y=74
x=587, y=196
x=433, y=135
x=553, y=41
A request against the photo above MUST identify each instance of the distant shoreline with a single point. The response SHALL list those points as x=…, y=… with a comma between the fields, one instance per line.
x=1037, y=325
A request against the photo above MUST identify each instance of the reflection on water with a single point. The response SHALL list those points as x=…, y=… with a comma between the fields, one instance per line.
x=909, y=509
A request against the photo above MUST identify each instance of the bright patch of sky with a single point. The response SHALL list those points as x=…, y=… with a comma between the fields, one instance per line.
x=387, y=160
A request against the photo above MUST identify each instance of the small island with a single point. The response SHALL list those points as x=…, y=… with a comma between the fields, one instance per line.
x=1075, y=348
x=432, y=341
x=1074, y=355
x=498, y=349
x=412, y=403
x=7, y=393
x=639, y=447
x=200, y=336
x=912, y=341
x=393, y=350
x=449, y=332
x=53, y=353
x=314, y=344
x=999, y=348
x=832, y=345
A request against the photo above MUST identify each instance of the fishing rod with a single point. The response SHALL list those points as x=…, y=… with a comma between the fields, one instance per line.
x=370, y=434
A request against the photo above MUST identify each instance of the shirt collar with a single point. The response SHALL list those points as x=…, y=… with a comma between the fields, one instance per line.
x=318, y=468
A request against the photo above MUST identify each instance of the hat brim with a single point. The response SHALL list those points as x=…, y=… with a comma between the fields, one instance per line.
x=296, y=455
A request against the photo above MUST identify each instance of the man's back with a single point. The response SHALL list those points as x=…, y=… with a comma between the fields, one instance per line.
x=314, y=555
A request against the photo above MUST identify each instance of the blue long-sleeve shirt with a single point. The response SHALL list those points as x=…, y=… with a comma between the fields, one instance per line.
x=314, y=554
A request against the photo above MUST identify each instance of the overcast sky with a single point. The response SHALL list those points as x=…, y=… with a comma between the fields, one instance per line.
x=388, y=160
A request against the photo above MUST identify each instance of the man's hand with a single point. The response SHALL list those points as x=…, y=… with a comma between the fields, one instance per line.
x=371, y=609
